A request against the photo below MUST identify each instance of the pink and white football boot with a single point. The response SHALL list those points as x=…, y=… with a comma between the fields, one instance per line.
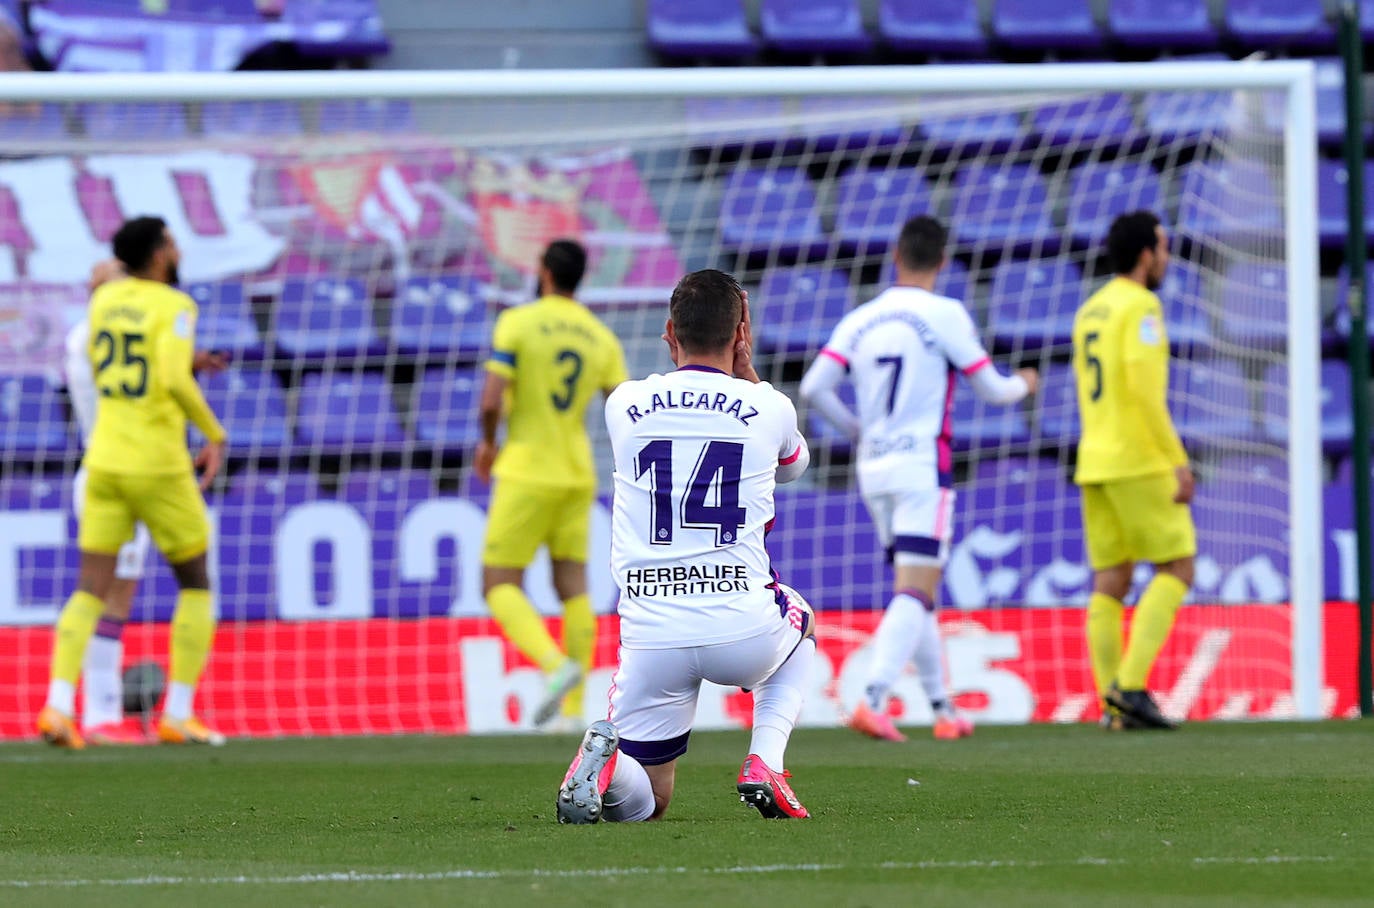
x=768, y=791
x=579, y=798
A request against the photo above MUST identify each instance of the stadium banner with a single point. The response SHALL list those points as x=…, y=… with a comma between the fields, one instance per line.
x=458, y=676
x=388, y=544
x=257, y=219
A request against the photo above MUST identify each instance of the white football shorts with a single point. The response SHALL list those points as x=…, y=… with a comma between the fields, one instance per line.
x=654, y=691
x=915, y=526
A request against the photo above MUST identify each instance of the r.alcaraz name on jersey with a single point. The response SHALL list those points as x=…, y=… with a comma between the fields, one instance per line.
x=697, y=456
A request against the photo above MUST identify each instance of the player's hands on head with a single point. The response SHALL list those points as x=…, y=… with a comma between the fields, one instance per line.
x=483, y=460
x=1031, y=378
x=209, y=361
x=744, y=346
x=209, y=461
x=1184, y=495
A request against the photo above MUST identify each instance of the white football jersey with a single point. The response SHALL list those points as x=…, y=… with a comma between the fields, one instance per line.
x=696, y=453
x=903, y=350
x=80, y=378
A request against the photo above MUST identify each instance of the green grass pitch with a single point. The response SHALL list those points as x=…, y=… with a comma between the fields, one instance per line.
x=1254, y=814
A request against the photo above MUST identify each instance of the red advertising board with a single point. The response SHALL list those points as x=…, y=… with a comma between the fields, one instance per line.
x=456, y=675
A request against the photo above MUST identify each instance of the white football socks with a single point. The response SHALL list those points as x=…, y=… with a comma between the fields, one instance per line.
x=894, y=643
x=630, y=796
x=930, y=659
x=102, y=695
x=778, y=703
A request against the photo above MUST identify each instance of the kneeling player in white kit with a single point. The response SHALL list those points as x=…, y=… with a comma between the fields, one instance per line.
x=697, y=455
x=903, y=351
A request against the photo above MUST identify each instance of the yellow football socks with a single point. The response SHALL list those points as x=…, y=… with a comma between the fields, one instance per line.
x=579, y=640
x=523, y=627
x=1150, y=626
x=193, y=630
x=75, y=626
x=1104, y=639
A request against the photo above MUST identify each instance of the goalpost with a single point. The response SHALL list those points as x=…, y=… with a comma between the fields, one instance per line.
x=349, y=237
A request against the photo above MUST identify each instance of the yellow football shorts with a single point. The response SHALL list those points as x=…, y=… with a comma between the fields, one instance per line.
x=1136, y=519
x=523, y=516
x=170, y=506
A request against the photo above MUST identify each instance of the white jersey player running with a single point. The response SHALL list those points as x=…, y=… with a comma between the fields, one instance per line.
x=697, y=454
x=903, y=352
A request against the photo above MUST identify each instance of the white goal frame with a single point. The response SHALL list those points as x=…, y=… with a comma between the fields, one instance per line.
x=1294, y=78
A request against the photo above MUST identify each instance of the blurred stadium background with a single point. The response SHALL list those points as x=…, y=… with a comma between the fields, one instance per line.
x=351, y=254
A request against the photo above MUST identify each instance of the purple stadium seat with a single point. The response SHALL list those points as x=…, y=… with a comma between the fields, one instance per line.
x=1186, y=318
x=1210, y=402
x=369, y=115
x=1006, y=208
x=1107, y=118
x=1266, y=23
x=1045, y=24
x=772, y=210
x=1161, y=23
x=1058, y=406
x=734, y=122
x=1100, y=192
x=128, y=122
x=444, y=315
x=1033, y=303
x=32, y=423
x=443, y=407
x=1229, y=202
x=1341, y=316
x=1176, y=116
x=1254, y=305
x=953, y=281
x=850, y=123
x=341, y=413
x=700, y=28
x=948, y=129
x=821, y=434
x=32, y=122
x=813, y=26
x=799, y=307
x=325, y=318
x=1330, y=78
x=872, y=205
x=1337, y=423
x=252, y=407
x=225, y=322
x=932, y=26
x=976, y=424
x=1332, y=209
x=245, y=119
x=336, y=28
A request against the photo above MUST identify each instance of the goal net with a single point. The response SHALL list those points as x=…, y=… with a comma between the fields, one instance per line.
x=349, y=239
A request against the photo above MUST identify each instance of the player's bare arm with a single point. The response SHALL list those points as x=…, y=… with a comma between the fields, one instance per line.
x=489, y=410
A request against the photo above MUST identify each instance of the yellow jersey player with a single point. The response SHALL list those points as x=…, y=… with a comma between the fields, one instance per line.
x=1133, y=470
x=548, y=359
x=138, y=469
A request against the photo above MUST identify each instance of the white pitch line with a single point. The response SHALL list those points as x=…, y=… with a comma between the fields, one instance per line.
x=446, y=875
